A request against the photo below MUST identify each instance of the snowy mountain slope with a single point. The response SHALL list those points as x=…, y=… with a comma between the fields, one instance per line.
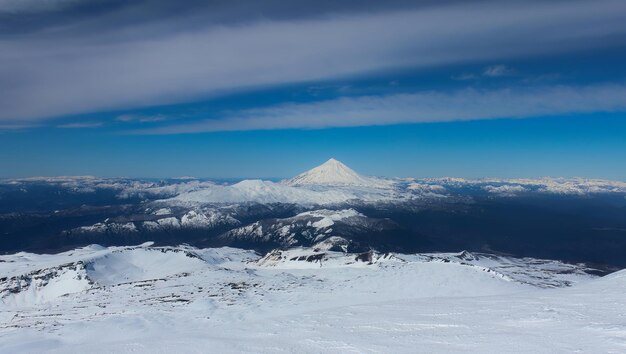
x=261, y=192
x=318, y=228
x=536, y=272
x=335, y=183
x=95, y=266
x=335, y=173
x=44, y=285
x=149, y=299
x=142, y=264
x=269, y=192
x=311, y=258
x=89, y=267
x=161, y=219
x=330, y=183
x=545, y=273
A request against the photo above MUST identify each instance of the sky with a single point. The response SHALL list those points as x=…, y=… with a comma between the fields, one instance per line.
x=269, y=89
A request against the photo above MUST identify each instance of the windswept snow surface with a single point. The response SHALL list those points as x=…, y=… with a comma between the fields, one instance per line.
x=181, y=299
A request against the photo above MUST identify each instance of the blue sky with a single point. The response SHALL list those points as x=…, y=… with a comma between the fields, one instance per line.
x=424, y=89
x=555, y=146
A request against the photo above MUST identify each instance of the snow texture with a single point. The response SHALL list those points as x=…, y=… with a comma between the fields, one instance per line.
x=181, y=299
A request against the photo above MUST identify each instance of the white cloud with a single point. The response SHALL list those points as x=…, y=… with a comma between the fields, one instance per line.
x=498, y=70
x=467, y=104
x=80, y=125
x=16, y=126
x=140, y=118
x=465, y=77
x=31, y=5
x=64, y=72
x=490, y=71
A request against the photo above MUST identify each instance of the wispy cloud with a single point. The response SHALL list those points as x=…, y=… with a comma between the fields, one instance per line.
x=80, y=125
x=498, y=70
x=89, y=66
x=490, y=71
x=139, y=118
x=465, y=77
x=11, y=126
x=13, y=6
x=467, y=104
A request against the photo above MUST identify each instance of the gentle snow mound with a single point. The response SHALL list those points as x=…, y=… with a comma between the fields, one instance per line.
x=140, y=264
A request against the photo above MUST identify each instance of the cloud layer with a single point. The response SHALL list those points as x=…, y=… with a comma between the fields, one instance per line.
x=90, y=66
x=468, y=104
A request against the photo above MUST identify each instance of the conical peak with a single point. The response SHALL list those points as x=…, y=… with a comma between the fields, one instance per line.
x=333, y=162
x=331, y=172
x=333, y=166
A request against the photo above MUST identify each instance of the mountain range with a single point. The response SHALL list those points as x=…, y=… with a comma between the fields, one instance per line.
x=326, y=259
x=330, y=206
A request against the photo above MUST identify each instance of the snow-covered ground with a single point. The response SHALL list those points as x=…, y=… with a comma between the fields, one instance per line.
x=183, y=299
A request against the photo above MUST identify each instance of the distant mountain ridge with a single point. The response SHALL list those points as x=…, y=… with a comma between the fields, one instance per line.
x=394, y=214
x=330, y=183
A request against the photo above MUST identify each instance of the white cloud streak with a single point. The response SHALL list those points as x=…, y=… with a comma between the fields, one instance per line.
x=140, y=118
x=80, y=125
x=497, y=71
x=463, y=105
x=57, y=74
x=31, y=5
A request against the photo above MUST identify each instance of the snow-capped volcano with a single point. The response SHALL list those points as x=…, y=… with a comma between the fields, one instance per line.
x=332, y=172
